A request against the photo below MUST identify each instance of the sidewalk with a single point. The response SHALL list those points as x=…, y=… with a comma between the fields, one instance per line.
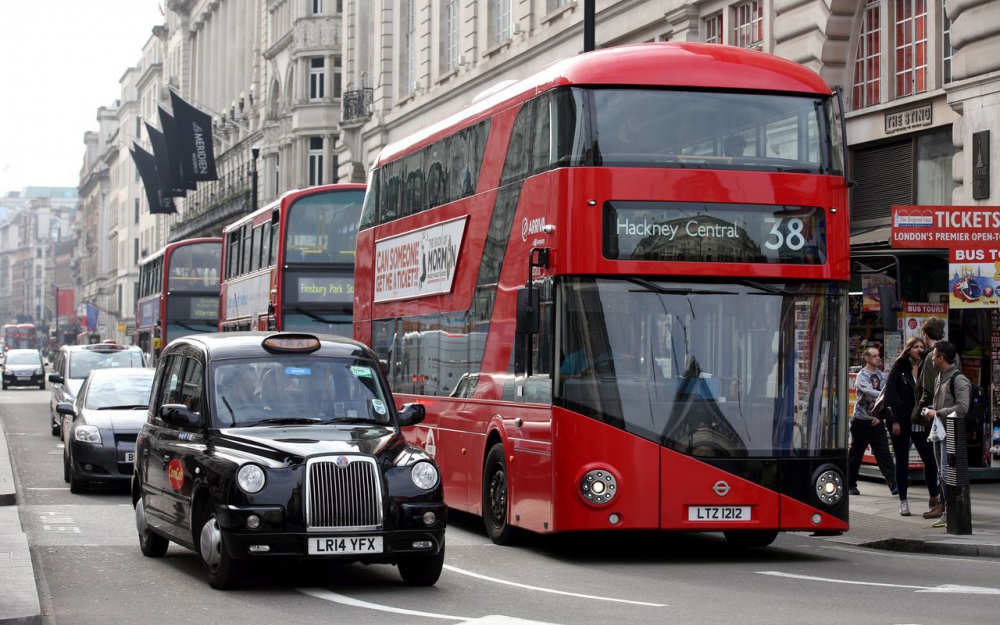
x=18, y=592
x=876, y=523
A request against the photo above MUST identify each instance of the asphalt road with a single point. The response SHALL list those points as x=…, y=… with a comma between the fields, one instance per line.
x=90, y=571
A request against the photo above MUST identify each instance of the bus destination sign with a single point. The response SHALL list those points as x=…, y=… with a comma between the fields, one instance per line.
x=719, y=233
x=325, y=289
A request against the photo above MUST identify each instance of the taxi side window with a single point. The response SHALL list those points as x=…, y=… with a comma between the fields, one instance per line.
x=171, y=393
x=192, y=391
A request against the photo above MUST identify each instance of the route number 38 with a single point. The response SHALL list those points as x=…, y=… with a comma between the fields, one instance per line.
x=789, y=237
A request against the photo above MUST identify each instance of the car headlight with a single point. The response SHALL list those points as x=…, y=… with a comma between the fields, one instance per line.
x=251, y=478
x=424, y=475
x=87, y=434
x=39, y=371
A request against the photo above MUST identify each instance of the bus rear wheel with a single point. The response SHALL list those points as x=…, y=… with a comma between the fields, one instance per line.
x=495, y=500
x=750, y=538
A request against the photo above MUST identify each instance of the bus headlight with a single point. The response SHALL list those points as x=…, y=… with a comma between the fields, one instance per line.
x=424, y=475
x=829, y=486
x=599, y=486
x=251, y=478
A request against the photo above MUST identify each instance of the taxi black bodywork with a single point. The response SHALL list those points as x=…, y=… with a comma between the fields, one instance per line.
x=294, y=476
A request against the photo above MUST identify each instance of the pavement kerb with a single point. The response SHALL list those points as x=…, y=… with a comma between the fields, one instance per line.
x=19, y=603
x=8, y=491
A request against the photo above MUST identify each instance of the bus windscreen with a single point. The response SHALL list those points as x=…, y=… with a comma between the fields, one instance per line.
x=195, y=268
x=323, y=228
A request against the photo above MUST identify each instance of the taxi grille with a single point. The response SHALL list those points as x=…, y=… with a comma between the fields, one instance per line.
x=343, y=497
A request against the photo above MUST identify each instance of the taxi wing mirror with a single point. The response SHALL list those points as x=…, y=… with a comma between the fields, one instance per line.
x=179, y=415
x=66, y=408
x=56, y=378
x=411, y=414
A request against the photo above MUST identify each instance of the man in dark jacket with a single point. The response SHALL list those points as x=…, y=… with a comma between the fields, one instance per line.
x=932, y=331
x=952, y=392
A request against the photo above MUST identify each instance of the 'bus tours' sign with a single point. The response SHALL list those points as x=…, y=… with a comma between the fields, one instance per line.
x=418, y=263
x=721, y=233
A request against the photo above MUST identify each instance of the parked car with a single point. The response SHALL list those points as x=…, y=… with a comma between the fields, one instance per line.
x=74, y=362
x=100, y=428
x=273, y=446
x=23, y=367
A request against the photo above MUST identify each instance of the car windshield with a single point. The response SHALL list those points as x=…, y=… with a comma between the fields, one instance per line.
x=298, y=390
x=24, y=358
x=82, y=363
x=120, y=391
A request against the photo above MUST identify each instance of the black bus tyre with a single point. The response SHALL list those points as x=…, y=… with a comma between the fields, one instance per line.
x=219, y=567
x=750, y=538
x=151, y=544
x=422, y=570
x=496, y=503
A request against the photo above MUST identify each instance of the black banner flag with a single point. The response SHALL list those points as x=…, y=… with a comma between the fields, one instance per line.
x=177, y=178
x=146, y=164
x=193, y=140
x=161, y=156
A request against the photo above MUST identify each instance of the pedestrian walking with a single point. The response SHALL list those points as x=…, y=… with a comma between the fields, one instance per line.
x=899, y=400
x=867, y=430
x=931, y=331
x=952, y=391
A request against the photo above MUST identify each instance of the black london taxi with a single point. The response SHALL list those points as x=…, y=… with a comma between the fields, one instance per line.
x=264, y=446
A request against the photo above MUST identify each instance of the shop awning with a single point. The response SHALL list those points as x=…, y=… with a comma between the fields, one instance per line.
x=871, y=238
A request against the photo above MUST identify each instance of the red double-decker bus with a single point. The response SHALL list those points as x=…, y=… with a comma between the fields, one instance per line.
x=619, y=287
x=178, y=293
x=290, y=265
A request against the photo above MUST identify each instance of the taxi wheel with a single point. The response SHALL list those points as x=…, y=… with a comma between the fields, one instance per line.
x=750, y=538
x=422, y=570
x=495, y=501
x=151, y=544
x=219, y=567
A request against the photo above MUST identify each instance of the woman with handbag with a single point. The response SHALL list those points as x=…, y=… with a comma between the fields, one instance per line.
x=899, y=401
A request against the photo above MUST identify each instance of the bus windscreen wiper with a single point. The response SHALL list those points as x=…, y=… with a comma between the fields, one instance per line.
x=767, y=288
x=650, y=286
x=187, y=327
x=314, y=316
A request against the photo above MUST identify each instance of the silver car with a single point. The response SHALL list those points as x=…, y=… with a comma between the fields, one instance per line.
x=99, y=429
x=72, y=364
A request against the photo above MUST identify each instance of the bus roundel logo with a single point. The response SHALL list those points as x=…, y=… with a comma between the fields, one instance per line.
x=721, y=488
x=175, y=473
x=342, y=462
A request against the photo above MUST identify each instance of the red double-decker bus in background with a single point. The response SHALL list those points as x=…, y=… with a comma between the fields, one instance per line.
x=10, y=336
x=178, y=293
x=290, y=265
x=640, y=259
x=27, y=336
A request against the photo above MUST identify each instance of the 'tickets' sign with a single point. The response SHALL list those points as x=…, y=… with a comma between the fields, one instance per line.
x=418, y=263
x=944, y=226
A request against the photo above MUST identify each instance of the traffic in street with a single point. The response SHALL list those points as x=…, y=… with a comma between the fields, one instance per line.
x=89, y=570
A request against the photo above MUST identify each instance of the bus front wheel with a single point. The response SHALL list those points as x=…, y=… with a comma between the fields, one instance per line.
x=750, y=538
x=495, y=497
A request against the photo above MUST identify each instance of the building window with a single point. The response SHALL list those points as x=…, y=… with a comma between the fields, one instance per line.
x=317, y=78
x=713, y=29
x=317, y=7
x=337, y=76
x=449, y=38
x=867, y=62
x=946, y=51
x=499, y=19
x=135, y=251
x=138, y=127
x=407, y=60
x=748, y=25
x=911, y=47
x=136, y=210
x=315, y=161
x=935, y=183
x=277, y=174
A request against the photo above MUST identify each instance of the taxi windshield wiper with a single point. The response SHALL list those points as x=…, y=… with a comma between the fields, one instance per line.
x=352, y=420
x=286, y=421
x=125, y=407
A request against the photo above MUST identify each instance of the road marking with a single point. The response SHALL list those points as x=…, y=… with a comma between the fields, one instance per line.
x=327, y=595
x=944, y=588
x=550, y=590
x=912, y=556
x=48, y=488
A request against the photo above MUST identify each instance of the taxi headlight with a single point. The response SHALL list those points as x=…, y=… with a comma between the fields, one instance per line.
x=251, y=478
x=424, y=475
x=829, y=486
x=87, y=434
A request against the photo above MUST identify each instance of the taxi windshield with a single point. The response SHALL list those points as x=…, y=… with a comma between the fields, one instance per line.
x=292, y=389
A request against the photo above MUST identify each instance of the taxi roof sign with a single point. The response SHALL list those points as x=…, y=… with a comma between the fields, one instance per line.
x=300, y=343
